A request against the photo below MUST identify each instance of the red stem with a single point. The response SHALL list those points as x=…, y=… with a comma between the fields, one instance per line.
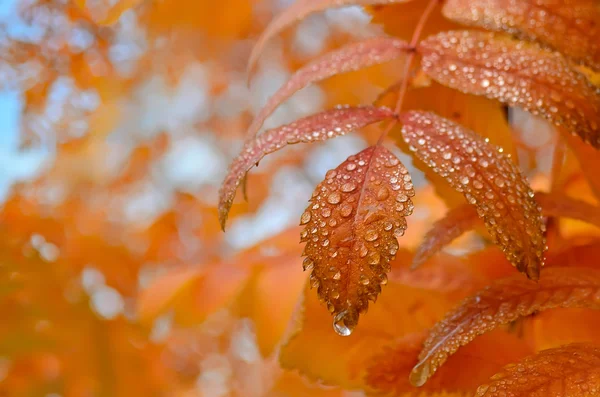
x=408, y=63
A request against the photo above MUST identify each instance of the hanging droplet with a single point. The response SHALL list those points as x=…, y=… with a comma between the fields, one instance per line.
x=345, y=321
x=420, y=373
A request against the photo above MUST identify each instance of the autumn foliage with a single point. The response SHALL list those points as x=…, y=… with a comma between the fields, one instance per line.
x=456, y=253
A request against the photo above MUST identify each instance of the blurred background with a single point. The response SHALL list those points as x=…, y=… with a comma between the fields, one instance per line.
x=118, y=120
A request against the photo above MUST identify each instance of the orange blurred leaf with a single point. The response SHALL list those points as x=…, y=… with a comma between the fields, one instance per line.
x=294, y=13
x=456, y=222
x=323, y=355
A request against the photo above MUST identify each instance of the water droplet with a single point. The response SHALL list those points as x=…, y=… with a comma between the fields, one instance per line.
x=363, y=251
x=383, y=280
x=326, y=212
x=307, y=264
x=351, y=167
x=374, y=258
x=346, y=210
x=364, y=280
x=420, y=373
x=334, y=198
x=371, y=235
x=345, y=321
x=382, y=193
x=305, y=218
x=337, y=275
x=348, y=187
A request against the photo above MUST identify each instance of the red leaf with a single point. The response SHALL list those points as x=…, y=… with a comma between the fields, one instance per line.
x=351, y=226
x=518, y=74
x=501, y=303
x=572, y=29
x=456, y=222
x=572, y=370
x=297, y=11
x=318, y=127
x=488, y=179
x=352, y=57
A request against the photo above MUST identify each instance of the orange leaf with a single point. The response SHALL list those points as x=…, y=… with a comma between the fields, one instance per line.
x=389, y=370
x=351, y=57
x=572, y=370
x=558, y=205
x=518, y=74
x=297, y=11
x=160, y=295
x=572, y=29
x=323, y=355
x=271, y=297
x=456, y=222
x=318, y=127
x=488, y=179
x=352, y=223
x=500, y=303
x=557, y=327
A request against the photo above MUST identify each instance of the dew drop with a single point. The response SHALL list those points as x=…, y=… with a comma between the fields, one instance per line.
x=326, y=212
x=305, y=218
x=351, y=167
x=364, y=280
x=346, y=210
x=348, y=187
x=374, y=258
x=420, y=373
x=345, y=321
x=334, y=198
x=382, y=193
x=371, y=235
x=307, y=264
x=337, y=276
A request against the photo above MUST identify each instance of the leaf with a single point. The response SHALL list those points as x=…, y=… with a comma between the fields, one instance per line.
x=572, y=370
x=318, y=127
x=588, y=160
x=351, y=57
x=464, y=218
x=279, y=280
x=322, y=355
x=464, y=109
x=572, y=29
x=351, y=226
x=162, y=293
x=558, y=205
x=518, y=74
x=456, y=222
x=296, y=12
x=504, y=301
x=488, y=179
x=557, y=327
x=388, y=370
